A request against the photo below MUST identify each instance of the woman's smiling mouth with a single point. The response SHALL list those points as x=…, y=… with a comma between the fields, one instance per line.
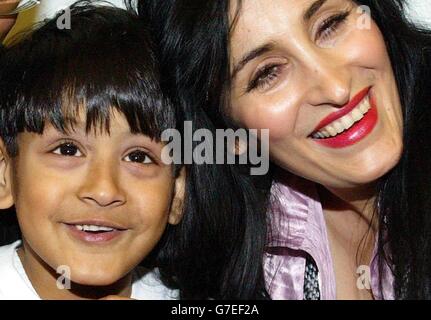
x=350, y=124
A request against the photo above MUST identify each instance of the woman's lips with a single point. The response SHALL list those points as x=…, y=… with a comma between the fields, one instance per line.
x=355, y=132
x=344, y=110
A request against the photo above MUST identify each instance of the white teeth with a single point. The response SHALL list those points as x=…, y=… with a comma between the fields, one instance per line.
x=86, y=227
x=326, y=133
x=357, y=115
x=332, y=131
x=363, y=108
x=346, y=122
x=338, y=126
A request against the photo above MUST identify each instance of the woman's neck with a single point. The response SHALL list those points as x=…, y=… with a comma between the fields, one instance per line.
x=44, y=280
x=351, y=227
x=359, y=201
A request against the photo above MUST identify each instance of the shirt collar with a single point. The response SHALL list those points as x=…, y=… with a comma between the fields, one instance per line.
x=294, y=201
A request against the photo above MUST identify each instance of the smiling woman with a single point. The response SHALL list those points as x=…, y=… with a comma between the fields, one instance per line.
x=315, y=78
x=342, y=87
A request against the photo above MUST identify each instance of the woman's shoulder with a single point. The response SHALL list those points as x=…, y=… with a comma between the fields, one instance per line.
x=148, y=285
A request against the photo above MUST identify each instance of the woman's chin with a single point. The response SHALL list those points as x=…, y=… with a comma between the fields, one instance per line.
x=362, y=177
x=369, y=167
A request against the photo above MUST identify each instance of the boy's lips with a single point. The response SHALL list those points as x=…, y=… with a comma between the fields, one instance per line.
x=99, y=223
x=95, y=231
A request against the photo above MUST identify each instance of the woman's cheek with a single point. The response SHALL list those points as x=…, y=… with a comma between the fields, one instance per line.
x=277, y=116
x=366, y=48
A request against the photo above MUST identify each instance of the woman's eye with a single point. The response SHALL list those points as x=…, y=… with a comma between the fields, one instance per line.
x=68, y=149
x=139, y=157
x=331, y=25
x=265, y=77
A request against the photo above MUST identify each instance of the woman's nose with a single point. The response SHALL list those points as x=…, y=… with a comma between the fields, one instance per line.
x=329, y=83
x=101, y=187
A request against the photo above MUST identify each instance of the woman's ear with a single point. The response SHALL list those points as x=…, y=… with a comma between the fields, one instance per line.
x=6, y=198
x=177, y=206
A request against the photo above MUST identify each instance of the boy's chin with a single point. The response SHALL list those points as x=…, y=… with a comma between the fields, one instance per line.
x=98, y=278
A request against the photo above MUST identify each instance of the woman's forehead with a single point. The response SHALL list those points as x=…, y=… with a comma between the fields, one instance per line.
x=247, y=16
x=246, y=10
x=262, y=23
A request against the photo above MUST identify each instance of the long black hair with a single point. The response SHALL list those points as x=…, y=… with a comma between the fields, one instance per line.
x=241, y=271
x=106, y=61
x=193, y=37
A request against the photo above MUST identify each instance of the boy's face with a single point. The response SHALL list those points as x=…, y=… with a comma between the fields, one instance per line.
x=112, y=185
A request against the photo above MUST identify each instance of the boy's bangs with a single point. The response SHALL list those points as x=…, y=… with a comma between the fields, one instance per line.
x=95, y=102
x=104, y=63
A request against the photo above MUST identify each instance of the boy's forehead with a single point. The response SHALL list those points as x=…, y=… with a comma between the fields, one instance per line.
x=77, y=122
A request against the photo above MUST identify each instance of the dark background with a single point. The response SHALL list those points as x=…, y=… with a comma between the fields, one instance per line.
x=9, y=229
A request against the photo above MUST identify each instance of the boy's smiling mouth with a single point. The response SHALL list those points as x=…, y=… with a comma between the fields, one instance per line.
x=95, y=231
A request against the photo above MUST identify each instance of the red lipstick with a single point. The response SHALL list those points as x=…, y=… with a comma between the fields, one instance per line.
x=355, y=133
x=344, y=110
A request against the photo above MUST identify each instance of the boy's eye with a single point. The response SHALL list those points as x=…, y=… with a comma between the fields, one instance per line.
x=138, y=156
x=68, y=149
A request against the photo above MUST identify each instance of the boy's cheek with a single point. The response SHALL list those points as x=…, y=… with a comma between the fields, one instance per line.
x=39, y=193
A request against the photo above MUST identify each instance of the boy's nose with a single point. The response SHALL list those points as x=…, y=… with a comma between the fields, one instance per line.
x=102, y=187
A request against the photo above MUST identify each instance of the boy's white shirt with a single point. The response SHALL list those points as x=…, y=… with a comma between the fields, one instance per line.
x=15, y=285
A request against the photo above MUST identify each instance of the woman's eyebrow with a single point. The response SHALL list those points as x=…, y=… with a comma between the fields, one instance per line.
x=313, y=9
x=251, y=55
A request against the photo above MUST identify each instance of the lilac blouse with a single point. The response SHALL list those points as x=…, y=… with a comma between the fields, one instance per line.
x=296, y=228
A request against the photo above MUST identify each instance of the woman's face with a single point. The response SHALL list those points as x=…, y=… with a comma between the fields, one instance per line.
x=318, y=76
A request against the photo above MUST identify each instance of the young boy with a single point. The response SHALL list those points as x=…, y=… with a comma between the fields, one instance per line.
x=81, y=114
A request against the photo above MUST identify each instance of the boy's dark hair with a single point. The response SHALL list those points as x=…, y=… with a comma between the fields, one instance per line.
x=103, y=62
